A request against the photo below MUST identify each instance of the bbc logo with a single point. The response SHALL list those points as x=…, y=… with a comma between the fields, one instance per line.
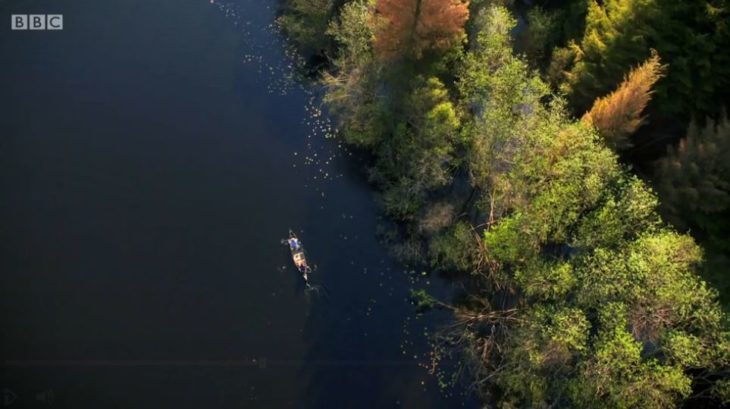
x=36, y=22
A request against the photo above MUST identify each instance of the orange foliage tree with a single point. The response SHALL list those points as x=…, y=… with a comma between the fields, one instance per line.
x=410, y=27
x=618, y=115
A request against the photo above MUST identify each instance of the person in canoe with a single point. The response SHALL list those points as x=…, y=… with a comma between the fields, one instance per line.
x=297, y=254
x=294, y=243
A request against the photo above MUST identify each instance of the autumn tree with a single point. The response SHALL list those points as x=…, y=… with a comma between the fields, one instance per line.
x=411, y=27
x=618, y=115
x=691, y=35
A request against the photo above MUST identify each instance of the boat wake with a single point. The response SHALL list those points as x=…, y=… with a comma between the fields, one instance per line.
x=314, y=290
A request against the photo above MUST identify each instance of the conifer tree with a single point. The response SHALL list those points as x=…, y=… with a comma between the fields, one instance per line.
x=693, y=36
x=618, y=115
x=694, y=178
x=615, y=38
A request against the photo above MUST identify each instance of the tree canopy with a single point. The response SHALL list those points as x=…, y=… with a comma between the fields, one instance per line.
x=578, y=293
x=691, y=36
x=695, y=178
x=611, y=310
x=412, y=27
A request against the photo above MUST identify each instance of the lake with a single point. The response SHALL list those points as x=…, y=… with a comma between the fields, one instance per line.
x=153, y=154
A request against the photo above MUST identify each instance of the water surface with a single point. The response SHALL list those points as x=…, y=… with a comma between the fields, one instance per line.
x=152, y=155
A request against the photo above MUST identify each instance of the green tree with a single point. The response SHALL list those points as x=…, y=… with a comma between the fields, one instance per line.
x=693, y=180
x=611, y=312
x=690, y=35
x=540, y=36
x=419, y=155
x=502, y=95
x=305, y=21
x=352, y=88
x=616, y=37
x=455, y=249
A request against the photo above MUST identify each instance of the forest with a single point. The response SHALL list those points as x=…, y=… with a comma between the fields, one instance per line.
x=569, y=163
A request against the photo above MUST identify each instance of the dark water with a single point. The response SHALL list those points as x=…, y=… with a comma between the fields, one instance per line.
x=152, y=155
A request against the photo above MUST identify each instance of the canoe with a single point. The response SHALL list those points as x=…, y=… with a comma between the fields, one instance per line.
x=297, y=255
